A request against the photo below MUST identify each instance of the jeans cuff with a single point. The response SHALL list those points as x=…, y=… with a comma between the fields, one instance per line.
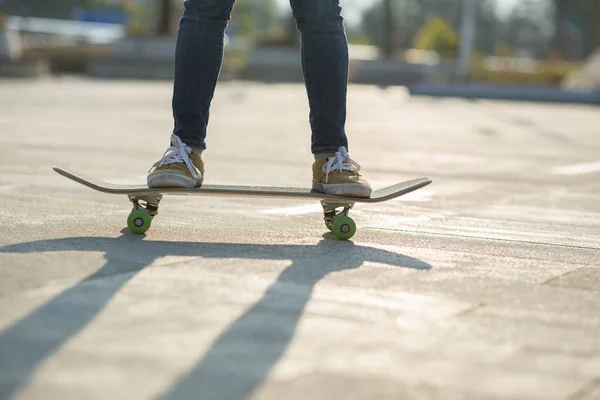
x=327, y=149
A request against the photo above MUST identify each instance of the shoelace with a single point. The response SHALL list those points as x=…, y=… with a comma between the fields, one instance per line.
x=340, y=161
x=178, y=152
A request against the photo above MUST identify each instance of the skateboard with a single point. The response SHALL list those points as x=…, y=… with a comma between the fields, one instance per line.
x=145, y=200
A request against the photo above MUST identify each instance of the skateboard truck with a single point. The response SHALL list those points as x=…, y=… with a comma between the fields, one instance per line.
x=338, y=221
x=145, y=208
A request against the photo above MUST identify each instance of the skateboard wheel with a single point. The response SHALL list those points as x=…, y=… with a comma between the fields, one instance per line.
x=139, y=221
x=343, y=227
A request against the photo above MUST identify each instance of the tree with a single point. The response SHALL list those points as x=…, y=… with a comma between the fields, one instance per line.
x=486, y=28
x=254, y=18
x=165, y=18
x=439, y=36
x=408, y=18
x=371, y=23
x=576, y=27
x=387, y=50
x=525, y=29
x=62, y=9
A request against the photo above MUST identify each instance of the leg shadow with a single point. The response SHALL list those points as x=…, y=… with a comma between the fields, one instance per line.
x=239, y=359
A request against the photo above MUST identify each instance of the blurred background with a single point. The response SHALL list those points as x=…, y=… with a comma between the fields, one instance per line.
x=547, y=43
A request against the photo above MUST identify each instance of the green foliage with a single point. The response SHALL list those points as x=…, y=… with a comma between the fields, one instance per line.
x=408, y=18
x=371, y=24
x=62, y=9
x=97, y=3
x=525, y=27
x=546, y=73
x=254, y=19
x=142, y=19
x=502, y=50
x=358, y=38
x=439, y=36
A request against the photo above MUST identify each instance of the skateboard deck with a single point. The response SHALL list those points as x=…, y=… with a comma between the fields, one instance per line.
x=145, y=200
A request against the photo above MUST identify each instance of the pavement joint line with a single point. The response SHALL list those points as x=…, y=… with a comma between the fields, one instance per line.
x=576, y=288
x=470, y=310
x=558, y=350
x=559, y=276
x=439, y=178
x=484, y=238
x=586, y=389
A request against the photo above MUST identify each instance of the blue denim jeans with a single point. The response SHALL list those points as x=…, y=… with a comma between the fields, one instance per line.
x=324, y=54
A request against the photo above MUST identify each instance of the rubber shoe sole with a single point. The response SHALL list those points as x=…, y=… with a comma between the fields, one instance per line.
x=172, y=180
x=344, y=189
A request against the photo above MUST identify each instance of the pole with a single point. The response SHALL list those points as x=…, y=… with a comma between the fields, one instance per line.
x=387, y=49
x=467, y=37
x=164, y=18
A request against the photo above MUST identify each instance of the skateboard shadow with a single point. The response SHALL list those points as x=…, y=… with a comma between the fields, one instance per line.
x=240, y=357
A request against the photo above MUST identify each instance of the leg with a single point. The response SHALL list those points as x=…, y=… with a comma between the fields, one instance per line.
x=325, y=68
x=198, y=59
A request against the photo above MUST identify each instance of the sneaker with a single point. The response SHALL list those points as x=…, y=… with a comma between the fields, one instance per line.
x=337, y=174
x=179, y=167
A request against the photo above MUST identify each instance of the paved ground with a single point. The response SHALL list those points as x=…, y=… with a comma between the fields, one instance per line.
x=485, y=284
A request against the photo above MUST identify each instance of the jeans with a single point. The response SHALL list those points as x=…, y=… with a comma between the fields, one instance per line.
x=324, y=54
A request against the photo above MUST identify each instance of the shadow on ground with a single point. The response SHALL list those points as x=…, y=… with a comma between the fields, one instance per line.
x=240, y=357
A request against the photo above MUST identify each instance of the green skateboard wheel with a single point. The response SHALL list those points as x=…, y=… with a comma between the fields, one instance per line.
x=139, y=221
x=343, y=227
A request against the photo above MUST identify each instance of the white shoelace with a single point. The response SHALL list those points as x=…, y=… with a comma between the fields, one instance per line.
x=178, y=152
x=340, y=161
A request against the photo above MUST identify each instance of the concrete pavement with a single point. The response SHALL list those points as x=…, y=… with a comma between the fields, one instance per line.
x=485, y=284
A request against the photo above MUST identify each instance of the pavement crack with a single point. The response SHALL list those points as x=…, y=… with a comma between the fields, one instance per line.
x=586, y=389
x=585, y=354
x=559, y=276
x=469, y=310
